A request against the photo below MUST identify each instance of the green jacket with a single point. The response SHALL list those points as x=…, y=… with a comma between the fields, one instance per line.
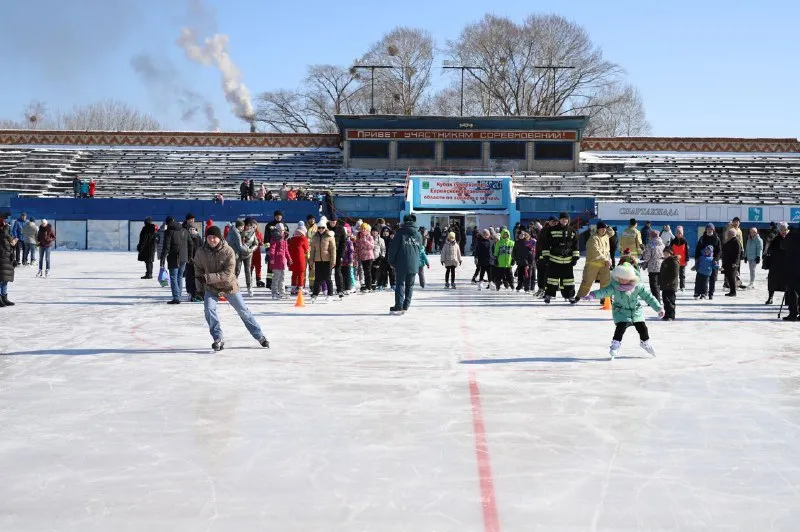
x=423, y=258
x=403, y=252
x=627, y=307
x=504, y=249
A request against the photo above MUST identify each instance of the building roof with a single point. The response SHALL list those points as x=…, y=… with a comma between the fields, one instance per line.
x=526, y=123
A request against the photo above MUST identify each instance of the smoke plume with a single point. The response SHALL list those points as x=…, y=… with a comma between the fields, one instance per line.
x=213, y=51
x=164, y=83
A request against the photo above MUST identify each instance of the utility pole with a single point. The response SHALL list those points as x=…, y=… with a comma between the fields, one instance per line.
x=555, y=69
x=372, y=82
x=462, y=68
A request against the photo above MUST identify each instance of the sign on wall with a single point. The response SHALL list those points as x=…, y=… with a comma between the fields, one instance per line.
x=795, y=214
x=700, y=212
x=445, y=134
x=459, y=193
x=755, y=214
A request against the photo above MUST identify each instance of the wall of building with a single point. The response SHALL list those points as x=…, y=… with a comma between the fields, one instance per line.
x=691, y=144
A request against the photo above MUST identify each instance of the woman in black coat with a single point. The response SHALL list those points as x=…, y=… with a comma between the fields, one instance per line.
x=778, y=266
x=147, y=246
x=7, y=243
x=731, y=256
x=483, y=258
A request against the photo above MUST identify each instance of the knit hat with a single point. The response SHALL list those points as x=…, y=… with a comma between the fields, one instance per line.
x=601, y=225
x=709, y=226
x=783, y=225
x=451, y=236
x=563, y=215
x=624, y=272
x=169, y=220
x=214, y=231
x=365, y=227
x=323, y=223
x=301, y=223
x=148, y=220
x=409, y=218
x=44, y=222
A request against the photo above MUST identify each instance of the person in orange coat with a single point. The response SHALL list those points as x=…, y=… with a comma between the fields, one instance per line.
x=92, y=188
x=298, y=251
x=257, y=259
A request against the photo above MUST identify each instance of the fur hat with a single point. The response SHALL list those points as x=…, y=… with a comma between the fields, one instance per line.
x=214, y=231
x=451, y=236
x=624, y=272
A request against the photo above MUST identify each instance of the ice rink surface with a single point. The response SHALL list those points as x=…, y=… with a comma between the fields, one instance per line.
x=476, y=411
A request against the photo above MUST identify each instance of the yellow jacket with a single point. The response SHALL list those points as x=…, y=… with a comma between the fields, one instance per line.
x=598, y=249
x=631, y=238
x=739, y=235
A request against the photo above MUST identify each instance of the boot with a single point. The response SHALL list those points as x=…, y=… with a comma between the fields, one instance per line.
x=614, y=350
x=2, y=304
x=647, y=346
x=5, y=301
x=260, y=283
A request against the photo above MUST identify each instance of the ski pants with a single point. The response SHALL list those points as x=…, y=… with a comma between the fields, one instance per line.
x=594, y=272
x=322, y=274
x=641, y=328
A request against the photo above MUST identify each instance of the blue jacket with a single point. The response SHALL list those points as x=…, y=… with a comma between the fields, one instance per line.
x=706, y=265
x=423, y=258
x=16, y=230
x=754, y=248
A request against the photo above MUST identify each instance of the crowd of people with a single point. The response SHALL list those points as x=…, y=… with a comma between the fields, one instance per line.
x=249, y=192
x=83, y=188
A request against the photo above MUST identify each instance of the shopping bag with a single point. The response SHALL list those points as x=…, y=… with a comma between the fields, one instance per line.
x=163, y=277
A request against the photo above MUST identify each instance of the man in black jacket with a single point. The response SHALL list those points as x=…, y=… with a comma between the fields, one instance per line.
x=178, y=247
x=522, y=256
x=731, y=255
x=197, y=242
x=340, y=238
x=437, y=238
x=709, y=238
x=792, y=258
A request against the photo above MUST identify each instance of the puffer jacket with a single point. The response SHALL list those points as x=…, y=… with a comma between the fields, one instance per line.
x=215, y=269
x=653, y=255
x=451, y=254
x=668, y=277
x=250, y=243
x=6, y=255
x=279, y=257
x=754, y=249
x=365, y=247
x=30, y=233
x=681, y=249
x=627, y=307
x=323, y=247
x=46, y=236
x=378, y=248
x=483, y=252
x=349, y=255
x=234, y=240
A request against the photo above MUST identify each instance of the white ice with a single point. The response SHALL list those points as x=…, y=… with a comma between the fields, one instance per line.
x=116, y=416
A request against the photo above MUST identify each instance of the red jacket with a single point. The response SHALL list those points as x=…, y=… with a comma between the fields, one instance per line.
x=92, y=187
x=298, y=251
x=681, y=251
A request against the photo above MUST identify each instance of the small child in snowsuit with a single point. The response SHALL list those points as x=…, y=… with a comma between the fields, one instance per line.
x=704, y=266
x=451, y=259
x=627, y=291
x=423, y=262
x=348, y=261
x=669, y=281
x=279, y=259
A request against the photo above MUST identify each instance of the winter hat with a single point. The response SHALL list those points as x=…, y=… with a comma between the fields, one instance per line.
x=277, y=213
x=709, y=226
x=169, y=220
x=214, y=231
x=409, y=218
x=783, y=226
x=653, y=233
x=601, y=225
x=365, y=227
x=679, y=230
x=708, y=250
x=451, y=236
x=148, y=220
x=625, y=272
x=562, y=215
x=300, y=231
x=301, y=223
x=487, y=233
x=44, y=222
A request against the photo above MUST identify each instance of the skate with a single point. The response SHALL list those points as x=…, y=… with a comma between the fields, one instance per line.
x=447, y=286
x=710, y=297
x=313, y=299
x=47, y=273
x=614, y=350
x=5, y=302
x=769, y=301
x=647, y=346
x=573, y=300
x=218, y=346
x=260, y=283
x=264, y=342
x=453, y=286
x=249, y=292
x=396, y=311
x=546, y=300
x=480, y=287
x=39, y=273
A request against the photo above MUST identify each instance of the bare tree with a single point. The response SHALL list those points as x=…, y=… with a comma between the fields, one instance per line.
x=283, y=111
x=619, y=113
x=401, y=90
x=35, y=113
x=509, y=78
x=331, y=90
x=108, y=115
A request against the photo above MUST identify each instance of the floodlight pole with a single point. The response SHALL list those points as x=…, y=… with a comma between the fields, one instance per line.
x=372, y=68
x=462, y=68
x=555, y=69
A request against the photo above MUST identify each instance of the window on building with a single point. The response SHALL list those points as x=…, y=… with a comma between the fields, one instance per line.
x=368, y=149
x=416, y=150
x=462, y=150
x=507, y=150
x=553, y=151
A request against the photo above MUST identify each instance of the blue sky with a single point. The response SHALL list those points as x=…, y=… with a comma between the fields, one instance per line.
x=704, y=68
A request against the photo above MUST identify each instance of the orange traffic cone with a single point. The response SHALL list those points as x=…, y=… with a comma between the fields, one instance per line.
x=606, y=304
x=299, y=302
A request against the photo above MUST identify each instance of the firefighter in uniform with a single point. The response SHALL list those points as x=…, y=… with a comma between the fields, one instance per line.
x=560, y=249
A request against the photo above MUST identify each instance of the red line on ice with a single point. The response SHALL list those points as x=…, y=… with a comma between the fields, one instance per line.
x=491, y=521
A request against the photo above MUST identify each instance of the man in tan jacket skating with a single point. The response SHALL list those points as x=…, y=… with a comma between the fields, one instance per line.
x=598, y=260
x=215, y=276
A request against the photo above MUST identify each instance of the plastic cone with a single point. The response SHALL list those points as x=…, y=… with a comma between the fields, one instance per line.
x=299, y=302
x=606, y=304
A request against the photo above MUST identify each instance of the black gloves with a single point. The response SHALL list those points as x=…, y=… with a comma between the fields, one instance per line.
x=575, y=261
x=758, y=259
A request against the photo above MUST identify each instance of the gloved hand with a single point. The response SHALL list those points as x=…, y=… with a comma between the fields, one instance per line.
x=588, y=297
x=575, y=261
x=429, y=266
x=459, y=263
x=661, y=313
x=694, y=268
x=758, y=259
x=745, y=260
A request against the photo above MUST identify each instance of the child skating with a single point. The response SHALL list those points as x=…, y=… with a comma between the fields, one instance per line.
x=628, y=292
x=451, y=259
x=279, y=260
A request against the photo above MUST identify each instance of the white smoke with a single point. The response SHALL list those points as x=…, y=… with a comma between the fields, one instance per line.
x=213, y=51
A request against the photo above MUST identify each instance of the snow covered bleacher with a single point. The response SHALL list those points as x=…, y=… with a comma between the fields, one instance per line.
x=674, y=178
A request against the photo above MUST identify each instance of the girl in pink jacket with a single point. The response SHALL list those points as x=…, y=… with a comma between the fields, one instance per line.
x=365, y=251
x=279, y=260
